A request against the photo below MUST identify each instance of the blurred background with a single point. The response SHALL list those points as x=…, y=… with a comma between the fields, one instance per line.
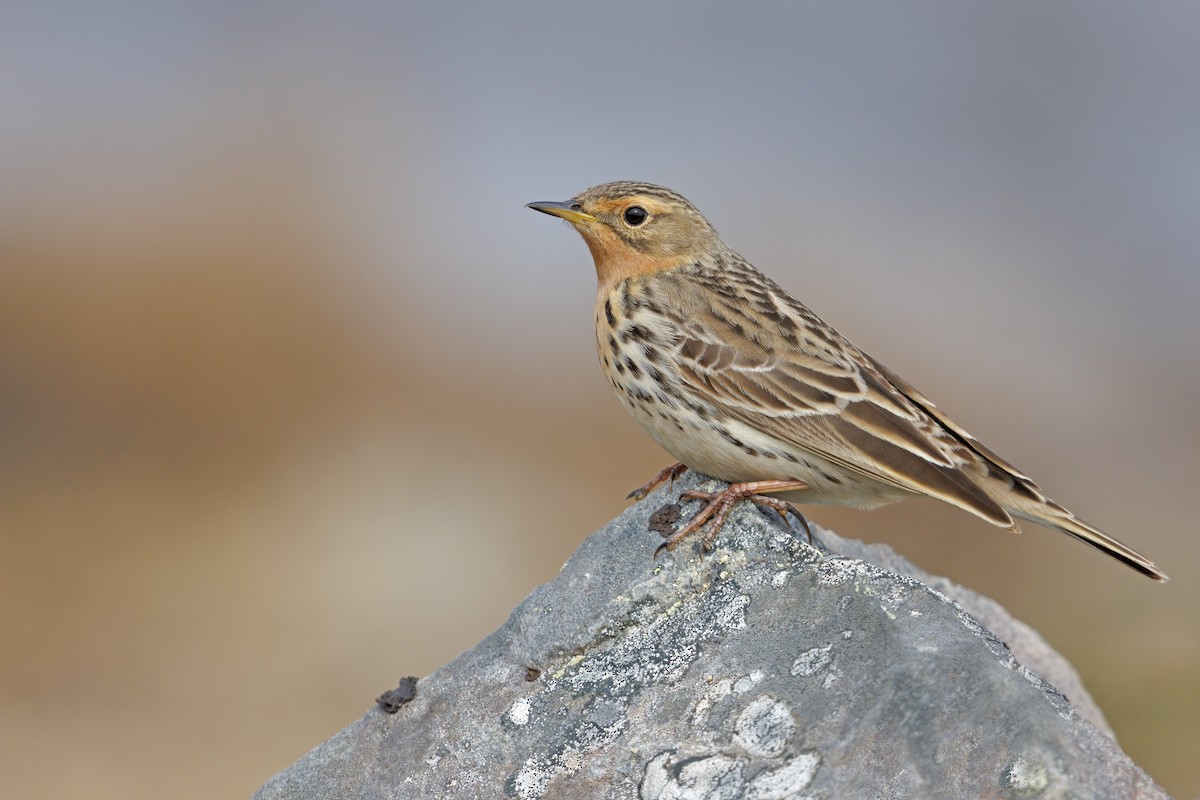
x=297, y=398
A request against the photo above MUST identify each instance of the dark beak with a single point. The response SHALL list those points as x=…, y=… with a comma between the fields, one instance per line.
x=568, y=211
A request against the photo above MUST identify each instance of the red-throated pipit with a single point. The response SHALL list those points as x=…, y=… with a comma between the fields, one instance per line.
x=738, y=380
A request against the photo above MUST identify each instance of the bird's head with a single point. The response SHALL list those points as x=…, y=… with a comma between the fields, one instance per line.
x=636, y=228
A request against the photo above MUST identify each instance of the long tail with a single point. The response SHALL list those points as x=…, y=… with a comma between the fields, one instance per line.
x=1072, y=525
x=1017, y=494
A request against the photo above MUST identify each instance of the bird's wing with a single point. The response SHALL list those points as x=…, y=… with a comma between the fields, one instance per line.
x=775, y=366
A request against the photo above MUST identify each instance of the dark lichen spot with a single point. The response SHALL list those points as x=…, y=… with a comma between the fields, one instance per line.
x=532, y=674
x=663, y=521
x=393, y=700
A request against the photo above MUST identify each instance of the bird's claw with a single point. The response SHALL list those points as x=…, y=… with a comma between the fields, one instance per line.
x=669, y=474
x=720, y=504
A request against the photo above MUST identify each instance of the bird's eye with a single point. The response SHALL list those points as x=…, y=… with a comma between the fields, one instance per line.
x=635, y=215
x=576, y=207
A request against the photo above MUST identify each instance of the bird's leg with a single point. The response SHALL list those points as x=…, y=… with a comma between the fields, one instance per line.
x=669, y=474
x=721, y=503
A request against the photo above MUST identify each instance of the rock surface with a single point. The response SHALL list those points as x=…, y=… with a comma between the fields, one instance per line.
x=766, y=669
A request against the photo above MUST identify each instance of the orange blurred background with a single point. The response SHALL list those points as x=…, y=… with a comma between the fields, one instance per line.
x=296, y=398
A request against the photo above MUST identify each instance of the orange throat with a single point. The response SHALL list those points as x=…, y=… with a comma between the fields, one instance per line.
x=616, y=260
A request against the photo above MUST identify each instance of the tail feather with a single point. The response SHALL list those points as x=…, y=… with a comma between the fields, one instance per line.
x=1016, y=494
x=1072, y=525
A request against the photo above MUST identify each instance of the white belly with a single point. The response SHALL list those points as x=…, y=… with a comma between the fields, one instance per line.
x=741, y=453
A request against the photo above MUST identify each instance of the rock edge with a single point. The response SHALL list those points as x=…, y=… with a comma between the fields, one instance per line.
x=766, y=669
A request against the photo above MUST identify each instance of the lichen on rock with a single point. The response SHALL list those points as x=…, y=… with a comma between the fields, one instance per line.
x=767, y=668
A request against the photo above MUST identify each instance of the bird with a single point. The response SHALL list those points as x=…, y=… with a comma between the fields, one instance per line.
x=738, y=380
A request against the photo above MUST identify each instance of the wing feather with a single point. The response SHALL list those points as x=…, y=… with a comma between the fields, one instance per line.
x=830, y=399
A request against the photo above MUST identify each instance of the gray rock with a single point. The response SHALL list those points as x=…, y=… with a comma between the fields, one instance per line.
x=766, y=669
